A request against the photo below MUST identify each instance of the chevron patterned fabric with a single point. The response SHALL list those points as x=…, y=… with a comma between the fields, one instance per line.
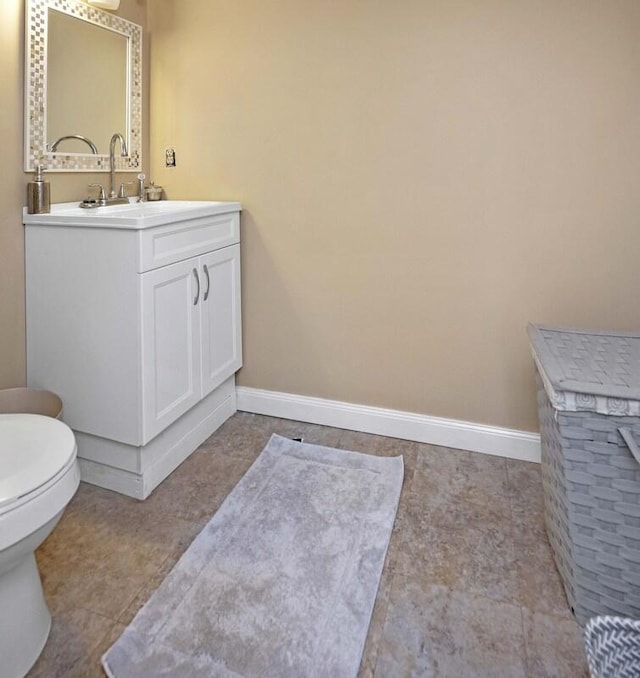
x=613, y=647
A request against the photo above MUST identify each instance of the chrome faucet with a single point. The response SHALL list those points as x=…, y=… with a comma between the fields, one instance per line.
x=112, y=160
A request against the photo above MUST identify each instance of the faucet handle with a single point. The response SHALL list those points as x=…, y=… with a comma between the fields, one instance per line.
x=122, y=193
x=103, y=197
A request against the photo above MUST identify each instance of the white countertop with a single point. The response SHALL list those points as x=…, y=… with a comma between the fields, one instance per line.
x=134, y=216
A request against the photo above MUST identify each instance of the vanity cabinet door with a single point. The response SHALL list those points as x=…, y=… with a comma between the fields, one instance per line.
x=221, y=333
x=171, y=298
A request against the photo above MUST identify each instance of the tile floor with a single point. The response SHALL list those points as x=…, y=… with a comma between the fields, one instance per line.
x=469, y=587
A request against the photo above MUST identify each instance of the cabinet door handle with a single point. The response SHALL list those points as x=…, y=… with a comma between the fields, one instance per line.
x=197, y=277
x=206, y=294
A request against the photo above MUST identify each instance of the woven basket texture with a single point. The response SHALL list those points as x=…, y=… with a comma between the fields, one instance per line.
x=613, y=647
x=591, y=488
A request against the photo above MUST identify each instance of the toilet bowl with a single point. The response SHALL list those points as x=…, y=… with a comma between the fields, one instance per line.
x=38, y=477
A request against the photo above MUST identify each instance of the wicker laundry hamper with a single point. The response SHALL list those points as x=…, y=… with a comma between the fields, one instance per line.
x=589, y=410
x=613, y=647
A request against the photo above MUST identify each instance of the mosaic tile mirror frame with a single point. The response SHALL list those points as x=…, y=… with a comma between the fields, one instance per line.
x=89, y=97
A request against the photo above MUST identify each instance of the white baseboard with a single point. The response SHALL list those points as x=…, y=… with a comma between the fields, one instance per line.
x=421, y=428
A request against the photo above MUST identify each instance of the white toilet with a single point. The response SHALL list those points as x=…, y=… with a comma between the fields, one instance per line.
x=38, y=477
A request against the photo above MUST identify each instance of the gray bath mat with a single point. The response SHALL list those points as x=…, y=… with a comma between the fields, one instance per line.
x=282, y=580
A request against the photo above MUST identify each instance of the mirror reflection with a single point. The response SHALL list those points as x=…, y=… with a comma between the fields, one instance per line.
x=83, y=86
x=74, y=122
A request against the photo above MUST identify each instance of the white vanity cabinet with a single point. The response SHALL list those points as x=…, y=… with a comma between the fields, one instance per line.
x=190, y=333
x=133, y=318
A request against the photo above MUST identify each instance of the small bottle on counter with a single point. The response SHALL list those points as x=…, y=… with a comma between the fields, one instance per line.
x=154, y=192
x=38, y=194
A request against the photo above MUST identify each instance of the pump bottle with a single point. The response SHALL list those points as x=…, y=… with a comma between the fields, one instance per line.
x=38, y=194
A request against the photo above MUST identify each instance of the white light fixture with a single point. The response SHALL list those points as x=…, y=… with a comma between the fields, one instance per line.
x=105, y=4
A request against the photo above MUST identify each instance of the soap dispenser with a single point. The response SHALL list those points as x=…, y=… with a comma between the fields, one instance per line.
x=38, y=194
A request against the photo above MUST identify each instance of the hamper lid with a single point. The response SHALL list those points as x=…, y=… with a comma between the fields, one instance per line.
x=600, y=369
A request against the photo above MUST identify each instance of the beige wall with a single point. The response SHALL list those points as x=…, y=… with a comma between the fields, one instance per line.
x=64, y=187
x=11, y=197
x=419, y=178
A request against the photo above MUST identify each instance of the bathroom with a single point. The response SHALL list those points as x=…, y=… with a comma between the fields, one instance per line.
x=417, y=184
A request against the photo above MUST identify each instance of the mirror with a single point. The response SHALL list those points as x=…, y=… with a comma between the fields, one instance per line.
x=82, y=85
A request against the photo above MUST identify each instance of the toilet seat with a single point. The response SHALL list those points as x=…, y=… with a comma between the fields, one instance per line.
x=39, y=474
x=34, y=452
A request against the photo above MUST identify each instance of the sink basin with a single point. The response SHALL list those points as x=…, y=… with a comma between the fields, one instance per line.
x=134, y=216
